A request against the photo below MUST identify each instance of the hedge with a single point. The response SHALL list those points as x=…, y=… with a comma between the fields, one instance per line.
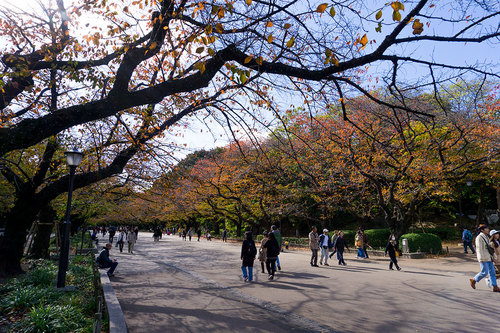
x=378, y=237
x=445, y=233
x=428, y=243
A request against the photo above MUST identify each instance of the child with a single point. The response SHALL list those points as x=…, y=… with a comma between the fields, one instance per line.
x=392, y=252
x=248, y=252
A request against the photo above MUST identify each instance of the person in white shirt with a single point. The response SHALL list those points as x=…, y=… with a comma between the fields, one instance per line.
x=324, y=244
x=485, y=258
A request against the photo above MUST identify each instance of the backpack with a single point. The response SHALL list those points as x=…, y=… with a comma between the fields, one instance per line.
x=468, y=235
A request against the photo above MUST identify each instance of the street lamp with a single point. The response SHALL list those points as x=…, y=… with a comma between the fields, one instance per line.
x=73, y=158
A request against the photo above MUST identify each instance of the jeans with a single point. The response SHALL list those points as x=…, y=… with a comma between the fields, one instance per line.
x=361, y=253
x=324, y=253
x=108, y=265
x=487, y=268
x=277, y=262
x=250, y=272
x=469, y=244
x=340, y=257
x=120, y=246
x=314, y=257
x=364, y=250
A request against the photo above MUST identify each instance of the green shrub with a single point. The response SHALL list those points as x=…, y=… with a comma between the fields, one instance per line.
x=444, y=233
x=428, y=243
x=259, y=238
x=54, y=318
x=28, y=296
x=42, y=276
x=349, y=236
x=295, y=241
x=378, y=237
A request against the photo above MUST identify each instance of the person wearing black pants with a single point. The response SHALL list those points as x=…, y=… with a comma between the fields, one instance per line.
x=390, y=248
x=273, y=250
x=314, y=246
x=338, y=247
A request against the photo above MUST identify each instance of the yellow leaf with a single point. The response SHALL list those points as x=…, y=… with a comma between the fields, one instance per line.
x=270, y=38
x=418, y=27
x=378, y=15
x=211, y=52
x=287, y=25
x=396, y=16
x=290, y=43
x=153, y=45
x=208, y=29
x=321, y=8
x=248, y=59
x=248, y=2
x=396, y=5
x=219, y=28
x=259, y=60
x=364, y=40
x=269, y=24
x=332, y=12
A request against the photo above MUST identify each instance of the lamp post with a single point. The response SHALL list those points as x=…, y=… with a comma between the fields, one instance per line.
x=73, y=158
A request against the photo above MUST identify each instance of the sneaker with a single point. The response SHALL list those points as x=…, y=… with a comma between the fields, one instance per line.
x=496, y=289
x=320, y=263
x=245, y=278
x=472, y=283
x=326, y=264
x=315, y=266
x=399, y=268
x=391, y=269
x=270, y=277
x=279, y=268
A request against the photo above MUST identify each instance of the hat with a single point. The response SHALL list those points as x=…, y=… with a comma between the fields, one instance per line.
x=492, y=232
x=482, y=226
x=325, y=230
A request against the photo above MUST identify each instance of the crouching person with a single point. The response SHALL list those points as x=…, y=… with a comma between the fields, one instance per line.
x=104, y=262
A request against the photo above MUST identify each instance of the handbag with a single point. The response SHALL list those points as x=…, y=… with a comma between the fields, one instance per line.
x=261, y=255
x=489, y=248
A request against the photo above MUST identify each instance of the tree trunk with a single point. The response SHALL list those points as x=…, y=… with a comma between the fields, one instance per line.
x=41, y=242
x=18, y=221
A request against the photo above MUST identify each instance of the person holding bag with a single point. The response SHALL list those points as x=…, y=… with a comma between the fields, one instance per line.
x=486, y=256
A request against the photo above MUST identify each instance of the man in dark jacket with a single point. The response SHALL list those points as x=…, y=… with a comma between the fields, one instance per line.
x=104, y=261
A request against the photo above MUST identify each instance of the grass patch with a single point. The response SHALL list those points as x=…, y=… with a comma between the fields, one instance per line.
x=37, y=306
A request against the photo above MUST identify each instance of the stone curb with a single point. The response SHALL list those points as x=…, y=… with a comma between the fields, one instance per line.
x=117, y=322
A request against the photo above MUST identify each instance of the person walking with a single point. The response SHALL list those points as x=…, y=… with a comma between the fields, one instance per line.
x=391, y=249
x=314, y=246
x=190, y=233
x=184, y=234
x=467, y=239
x=224, y=235
x=198, y=233
x=324, y=245
x=273, y=251
x=277, y=234
x=112, y=232
x=131, y=238
x=486, y=257
x=104, y=262
x=248, y=252
x=121, y=239
x=359, y=244
x=338, y=247
x=263, y=252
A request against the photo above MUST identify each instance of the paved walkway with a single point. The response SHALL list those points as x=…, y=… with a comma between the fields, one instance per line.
x=178, y=286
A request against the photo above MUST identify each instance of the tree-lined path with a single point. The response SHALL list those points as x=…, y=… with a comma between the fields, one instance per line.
x=179, y=286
